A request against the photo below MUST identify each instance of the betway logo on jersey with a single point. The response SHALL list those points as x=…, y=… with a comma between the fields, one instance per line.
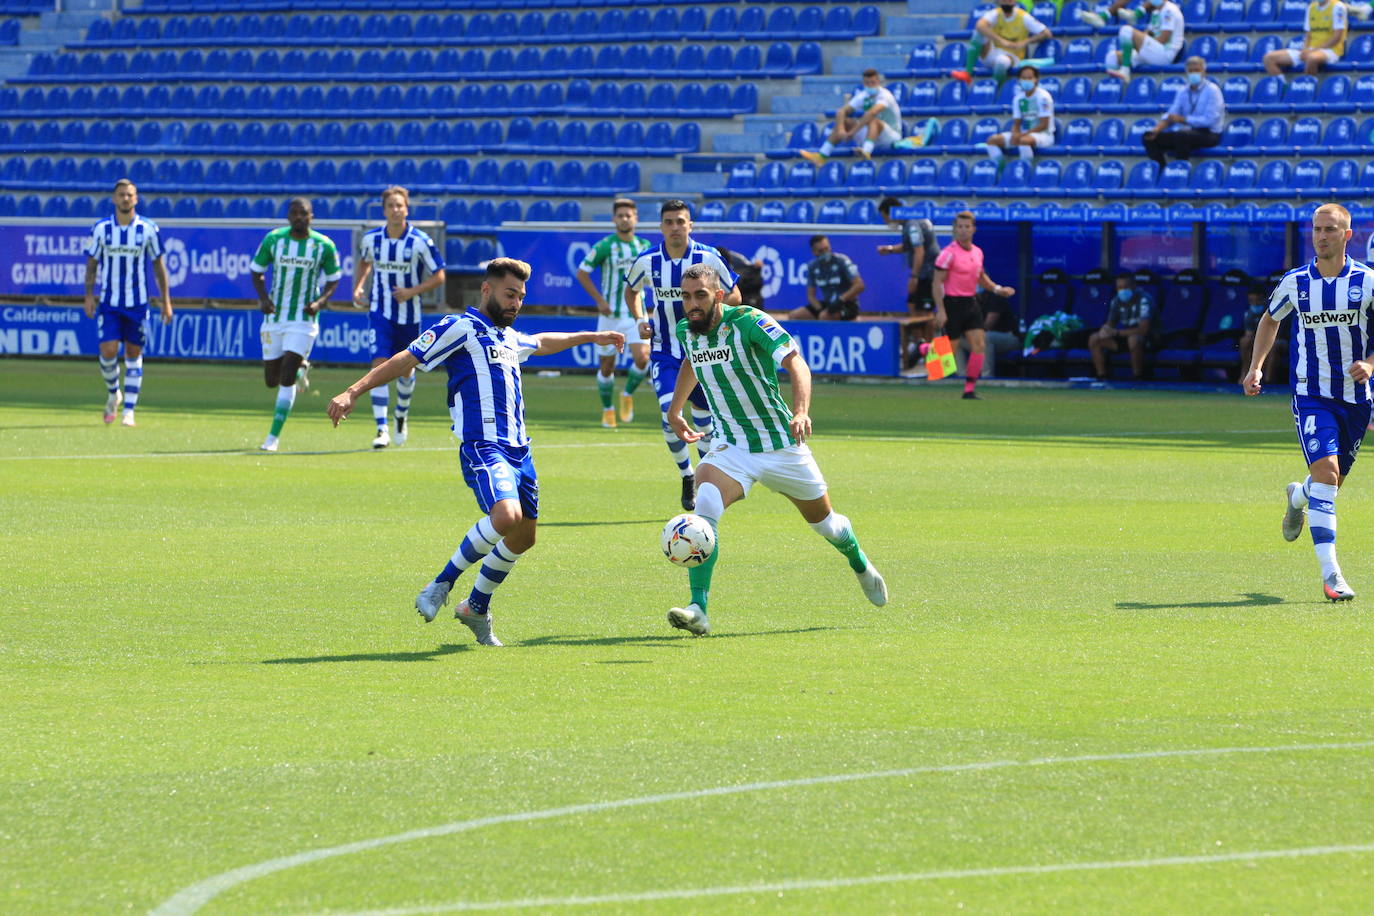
x=503, y=355
x=1338, y=318
x=295, y=261
x=713, y=356
x=667, y=293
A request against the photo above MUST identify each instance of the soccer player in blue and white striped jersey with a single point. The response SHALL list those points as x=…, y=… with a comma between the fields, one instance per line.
x=482, y=354
x=1332, y=302
x=397, y=255
x=118, y=250
x=658, y=273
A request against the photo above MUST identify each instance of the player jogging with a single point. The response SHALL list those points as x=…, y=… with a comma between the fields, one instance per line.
x=614, y=255
x=400, y=254
x=659, y=271
x=482, y=354
x=733, y=354
x=117, y=249
x=958, y=275
x=299, y=257
x=1331, y=300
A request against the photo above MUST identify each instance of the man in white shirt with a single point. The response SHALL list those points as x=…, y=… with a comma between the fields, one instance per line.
x=872, y=113
x=1158, y=45
x=1032, y=118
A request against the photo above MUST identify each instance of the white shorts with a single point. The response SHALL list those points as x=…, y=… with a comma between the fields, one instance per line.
x=791, y=471
x=627, y=326
x=1150, y=52
x=886, y=137
x=281, y=336
x=997, y=60
x=1295, y=56
x=1040, y=139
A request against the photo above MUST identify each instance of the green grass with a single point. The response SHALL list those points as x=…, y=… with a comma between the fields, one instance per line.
x=209, y=659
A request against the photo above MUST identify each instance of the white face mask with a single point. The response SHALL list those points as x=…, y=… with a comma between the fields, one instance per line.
x=1027, y=85
x=1194, y=78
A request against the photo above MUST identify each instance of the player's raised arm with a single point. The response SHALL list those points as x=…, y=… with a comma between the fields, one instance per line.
x=341, y=405
x=686, y=384
x=558, y=341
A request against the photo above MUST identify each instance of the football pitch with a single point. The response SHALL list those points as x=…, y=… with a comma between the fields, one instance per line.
x=1103, y=681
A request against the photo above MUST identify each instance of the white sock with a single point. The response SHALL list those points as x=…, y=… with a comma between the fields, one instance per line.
x=405, y=387
x=1299, y=497
x=1321, y=521
x=1027, y=152
x=868, y=146
x=995, y=153
x=827, y=148
x=833, y=527
x=133, y=382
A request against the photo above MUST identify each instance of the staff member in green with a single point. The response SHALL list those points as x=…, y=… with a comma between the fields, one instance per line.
x=734, y=353
x=299, y=257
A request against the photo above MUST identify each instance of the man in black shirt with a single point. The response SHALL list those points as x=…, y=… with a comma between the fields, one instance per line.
x=833, y=285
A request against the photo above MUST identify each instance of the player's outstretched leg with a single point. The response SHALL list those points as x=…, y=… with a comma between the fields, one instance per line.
x=1295, y=509
x=1321, y=521
x=109, y=372
x=681, y=457
x=474, y=611
x=692, y=618
x=477, y=543
x=286, y=398
x=836, y=529
x=133, y=384
x=605, y=388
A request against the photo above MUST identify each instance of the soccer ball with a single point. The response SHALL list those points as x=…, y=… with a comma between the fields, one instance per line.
x=688, y=540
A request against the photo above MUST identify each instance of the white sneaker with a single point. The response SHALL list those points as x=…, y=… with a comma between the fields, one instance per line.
x=269, y=444
x=127, y=419
x=875, y=589
x=1088, y=17
x=303, y=376
x=691, y=618
x=383, y=438
x=1292, y=518
x=1336, y=588
x=400, y=437
x=112, y=404
x=479, y=624
x=432, y=597
x=1128, y=16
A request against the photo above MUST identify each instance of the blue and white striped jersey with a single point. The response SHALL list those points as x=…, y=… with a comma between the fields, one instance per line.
x=483, y=363
x=397, y=263
x=659, y=280
x=1331, y=328
x=122, y=253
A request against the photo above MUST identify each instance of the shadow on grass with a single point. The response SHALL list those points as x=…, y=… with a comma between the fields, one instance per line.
x=667, y=640
x=431, y=655
x=1251, y=599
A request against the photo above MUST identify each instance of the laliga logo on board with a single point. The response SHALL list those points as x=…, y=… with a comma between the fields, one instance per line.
x=177, y=261
x=772, y=269
x=577, y=253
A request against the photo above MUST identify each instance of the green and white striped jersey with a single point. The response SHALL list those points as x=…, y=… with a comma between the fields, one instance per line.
x=298, y=268
x=614, y=257
x=737, y=367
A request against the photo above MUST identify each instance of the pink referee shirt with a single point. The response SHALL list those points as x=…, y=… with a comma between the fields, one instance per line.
x=964, y=267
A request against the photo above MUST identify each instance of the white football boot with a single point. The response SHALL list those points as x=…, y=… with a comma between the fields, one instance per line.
x=871, y=581
x=1336, y=588
x=690, y=618
x=383, y=438
x=479, y=624
x=432, y=597
x=1292, y=518
x=400, y=436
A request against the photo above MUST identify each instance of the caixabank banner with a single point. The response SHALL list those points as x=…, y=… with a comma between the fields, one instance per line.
x=830, y=348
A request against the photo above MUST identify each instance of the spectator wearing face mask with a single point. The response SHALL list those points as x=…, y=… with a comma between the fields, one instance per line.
x=1032, y=118
x=1128, y=323
x=1000, y=40
x=1194, y=121
x=833, y=285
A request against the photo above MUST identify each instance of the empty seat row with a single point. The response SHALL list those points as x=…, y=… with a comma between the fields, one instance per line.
x=1050, y=178
x=518, y=135
x=325, y=176
x=580, y=97
x=723, y=23
x=692, y=61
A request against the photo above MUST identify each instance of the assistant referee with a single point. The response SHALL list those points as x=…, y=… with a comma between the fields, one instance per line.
x=958, y=274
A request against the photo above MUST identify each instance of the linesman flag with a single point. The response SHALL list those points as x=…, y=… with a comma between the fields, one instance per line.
x=940, y=359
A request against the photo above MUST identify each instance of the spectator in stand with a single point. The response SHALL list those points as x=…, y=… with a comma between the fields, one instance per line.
x=1159, y=44
x=1327, y=26
x=1000, y=40
x=833, y=285
x=871, y=112
x=1128, y=320
x=1032, y=118
x=1194, y=120
x=1276, y=363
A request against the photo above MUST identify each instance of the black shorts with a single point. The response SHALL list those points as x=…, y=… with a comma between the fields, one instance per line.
x=962, y=313
x=923, y=297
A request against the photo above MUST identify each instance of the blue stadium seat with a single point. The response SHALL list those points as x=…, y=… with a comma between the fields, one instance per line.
x=1235, y=90
x=742, y=212
x=1275, y=180
x=922, y=57
x=772, y=212
x=1176, y=180
x=1261, y=12
x=863, y=176
x=508, y=211
x=1141, y=93
x=1268, y=92
x=1292, y=13
x=953, y=97
x=1228, y=11
x=1045, y=176
x=1272, y=133
x=712, y=211
x=831, y=212
x=831, y=178
x=864, y=213
x=953, y=174
x=1077, y=133
x=1302, y=94
x=1239, y=132
x=569, y=211
x=1016, y=175
x=1107, y=94
x=921, y=177
x=1305, y=134
x=802, y=211
x=1207, y=178
x=1108, y=179
x=1342, y=176
x=1110, y=135
x=1308, y=178
x=984, y=129
x=982, y=95
x=1235, y=50
x=1367, y=177
x=1340, y=137
x=771, y=178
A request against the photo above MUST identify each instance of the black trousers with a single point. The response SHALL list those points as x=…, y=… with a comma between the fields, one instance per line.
x=1180, y=143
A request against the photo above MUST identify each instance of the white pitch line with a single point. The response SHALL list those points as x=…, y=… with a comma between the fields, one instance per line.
x=811, y=884
x=191, y=898
x=250, y=452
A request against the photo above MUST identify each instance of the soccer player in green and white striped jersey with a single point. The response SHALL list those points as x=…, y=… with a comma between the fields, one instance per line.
x=734, y=353
x=300, y=258
x=614, y=255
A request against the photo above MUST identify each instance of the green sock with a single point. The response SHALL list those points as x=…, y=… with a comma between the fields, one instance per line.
x=975, y=51
x=605, y=386
x=635, y=376
x=1127, y=49
x=283, y=410
x=849, y=546
x=699, y=577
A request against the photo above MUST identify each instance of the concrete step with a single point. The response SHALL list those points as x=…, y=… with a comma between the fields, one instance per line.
x=931, y=7
x=805, y=104
x=751, y=143
x=14, y=62
x=924, y=27
x=857, y=65
x=687, y=182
